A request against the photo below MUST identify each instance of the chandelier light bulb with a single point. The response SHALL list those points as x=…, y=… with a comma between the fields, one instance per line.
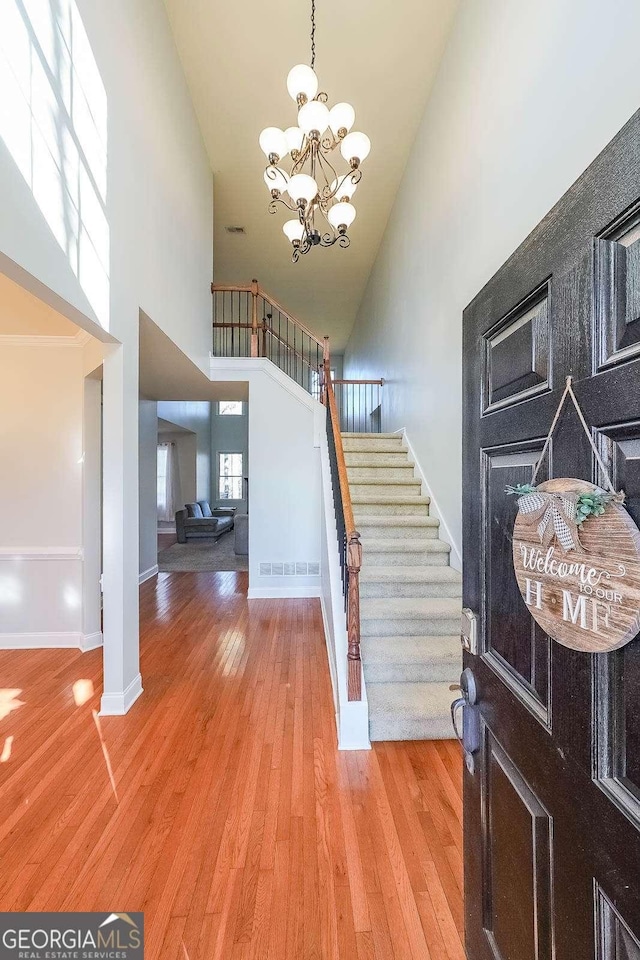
x=341, y=215
x=313, y=116
x=302, y=188
x=302, y=83
x=276, y=179
x=293, y=230
x=341, y=118
x=294, y=136
x=355, y=148
x=273, y=143
x=344, y=187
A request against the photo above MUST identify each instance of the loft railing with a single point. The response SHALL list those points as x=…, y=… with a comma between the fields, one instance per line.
x=359, y=404
x=348, y=542
x=247, y=322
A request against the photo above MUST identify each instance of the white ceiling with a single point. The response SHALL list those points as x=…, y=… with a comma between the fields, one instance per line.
x=379, y=56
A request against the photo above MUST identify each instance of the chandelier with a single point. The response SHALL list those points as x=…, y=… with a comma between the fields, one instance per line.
x=313, y=188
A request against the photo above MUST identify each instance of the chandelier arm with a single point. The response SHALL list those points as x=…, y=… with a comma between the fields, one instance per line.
x=322, y=160
x=302, y=157
x=273, y=205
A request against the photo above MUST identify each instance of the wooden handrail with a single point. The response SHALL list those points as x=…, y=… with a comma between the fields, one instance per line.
x=379, y=383
x=257, y=291
x=354, y=552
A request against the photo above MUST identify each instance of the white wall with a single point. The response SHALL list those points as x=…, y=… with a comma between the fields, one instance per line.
x=44, y=483
x=193, y=415
x=123, y=224
x=526, y=96
x=148, y=473
x=285, y=490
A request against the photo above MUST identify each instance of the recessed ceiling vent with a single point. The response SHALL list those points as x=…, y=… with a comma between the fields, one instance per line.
x=239, y=230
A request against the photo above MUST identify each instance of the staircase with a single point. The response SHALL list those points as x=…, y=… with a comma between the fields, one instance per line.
x=410, y=598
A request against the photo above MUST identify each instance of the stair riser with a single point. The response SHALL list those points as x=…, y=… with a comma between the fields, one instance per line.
x=392, y=459
x=376, y=532
x=379, y=473
x=409, y=590
x=351, y=444
x=373, y=558
x=390, y=510
x=421, y=626
x=383, y=728
x=385, y=490
x=444, y=671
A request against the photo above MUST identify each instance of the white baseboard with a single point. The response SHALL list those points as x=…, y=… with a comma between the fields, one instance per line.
x=90, y=641
x=147, y=574
x=277, y=593
x=41, y=641
x=455, y=557
x=117, y=704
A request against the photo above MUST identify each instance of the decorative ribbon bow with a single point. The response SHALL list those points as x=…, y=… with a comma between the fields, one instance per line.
x=555, y=514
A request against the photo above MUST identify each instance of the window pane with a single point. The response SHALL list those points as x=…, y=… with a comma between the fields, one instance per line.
x=231, y=464
x=230, y=488
x=162, y=478
x=230, y=408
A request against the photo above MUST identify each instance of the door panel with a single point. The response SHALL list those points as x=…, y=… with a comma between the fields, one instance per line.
x=552, y=809
x=518, y=904
x=514, y=641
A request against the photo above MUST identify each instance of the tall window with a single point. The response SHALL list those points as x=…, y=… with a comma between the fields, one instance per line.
x=163, y=462
x=230, y=476
x=230, y=408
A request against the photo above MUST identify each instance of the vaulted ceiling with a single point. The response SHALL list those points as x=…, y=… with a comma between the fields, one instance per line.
x=377, y=55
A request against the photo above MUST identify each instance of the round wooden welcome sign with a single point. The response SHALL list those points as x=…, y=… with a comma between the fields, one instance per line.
x=581, y=582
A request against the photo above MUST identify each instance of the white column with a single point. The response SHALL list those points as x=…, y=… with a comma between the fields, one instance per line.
x=91, y=513
x=122, y=680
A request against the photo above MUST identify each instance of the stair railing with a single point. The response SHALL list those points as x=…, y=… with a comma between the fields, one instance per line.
x=348, y=540
x=359, y=405
x=248, y=322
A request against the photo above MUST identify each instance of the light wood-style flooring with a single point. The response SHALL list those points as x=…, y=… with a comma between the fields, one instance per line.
x=219, y=805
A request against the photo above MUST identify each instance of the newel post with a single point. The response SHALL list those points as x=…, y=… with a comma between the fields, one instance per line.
x=254, y=318
x=354, y=563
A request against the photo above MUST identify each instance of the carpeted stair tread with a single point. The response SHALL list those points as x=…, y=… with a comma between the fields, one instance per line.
x=379, y=463
x=410, y=608
x=374, y=520
x=410, y=711
x=385, y=498
x=373, y=545
x=400, y=659
x=409, y=574
x=370, y=436
x=390, y=482
x=373, y=447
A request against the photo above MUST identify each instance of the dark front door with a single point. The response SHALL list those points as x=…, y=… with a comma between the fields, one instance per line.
x=552, y=807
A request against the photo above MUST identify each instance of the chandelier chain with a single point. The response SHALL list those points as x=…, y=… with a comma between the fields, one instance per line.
x=313, y=34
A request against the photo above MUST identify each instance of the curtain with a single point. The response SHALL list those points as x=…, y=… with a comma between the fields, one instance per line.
x=168, y=482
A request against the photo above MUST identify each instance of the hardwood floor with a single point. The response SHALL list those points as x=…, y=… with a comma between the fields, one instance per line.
x=219, y=805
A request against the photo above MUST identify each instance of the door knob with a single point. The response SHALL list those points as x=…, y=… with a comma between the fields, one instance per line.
x=469, y=736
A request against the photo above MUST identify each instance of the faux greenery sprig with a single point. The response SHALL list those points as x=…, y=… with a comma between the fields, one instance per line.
x=587, y=504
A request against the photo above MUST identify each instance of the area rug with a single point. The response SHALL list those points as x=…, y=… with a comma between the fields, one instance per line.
x=202, y=556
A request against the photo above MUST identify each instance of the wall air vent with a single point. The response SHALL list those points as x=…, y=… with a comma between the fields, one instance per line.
x=239, y=230
x=290, y=569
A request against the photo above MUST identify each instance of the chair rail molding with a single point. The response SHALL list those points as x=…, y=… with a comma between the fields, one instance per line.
x=41, y=553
